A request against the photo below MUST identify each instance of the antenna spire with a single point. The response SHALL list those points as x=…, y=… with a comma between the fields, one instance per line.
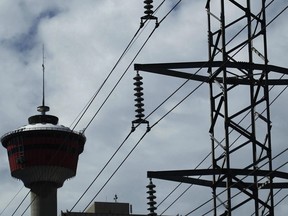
x=43, y=109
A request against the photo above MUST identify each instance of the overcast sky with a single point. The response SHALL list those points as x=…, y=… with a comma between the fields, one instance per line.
x=83, y=41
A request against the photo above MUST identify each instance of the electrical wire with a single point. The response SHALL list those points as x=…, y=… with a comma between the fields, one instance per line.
x=107, y=77
x=132, y=41
x=275, y=194
x=281, y=12
x=112, y=92
x=84, y=110
x=11, y=200
x=104, y=167
x=20, y=203
x=114, y=89
x=134, y=147
x=121, y=77
x=94, y=96
x=92, y=99
x=103, y=105
x=101, y=108
x=117, y=83
x=87, y=107
x=173, y=8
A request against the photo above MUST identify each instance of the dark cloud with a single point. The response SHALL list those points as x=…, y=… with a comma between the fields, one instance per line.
x=26, y=41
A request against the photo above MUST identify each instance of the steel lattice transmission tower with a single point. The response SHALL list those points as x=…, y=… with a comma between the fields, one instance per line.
x=239, y=77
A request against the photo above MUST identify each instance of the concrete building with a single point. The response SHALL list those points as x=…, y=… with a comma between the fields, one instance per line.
x=105, y=209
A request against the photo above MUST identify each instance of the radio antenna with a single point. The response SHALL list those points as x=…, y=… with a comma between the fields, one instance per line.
x=43, y=109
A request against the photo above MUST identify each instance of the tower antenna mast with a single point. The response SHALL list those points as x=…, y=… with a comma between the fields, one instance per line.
x=43, y=109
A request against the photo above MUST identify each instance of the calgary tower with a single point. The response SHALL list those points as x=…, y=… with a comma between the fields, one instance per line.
x=43, y=154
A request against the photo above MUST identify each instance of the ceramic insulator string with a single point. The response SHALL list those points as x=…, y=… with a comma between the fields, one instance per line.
x=139, y=97
x=149, y=12
x=151, y=199
x=148, y=6
x=139, y=102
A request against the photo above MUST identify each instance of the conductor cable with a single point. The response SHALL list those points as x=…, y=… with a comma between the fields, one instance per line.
x=123, y=161
x=104, y=167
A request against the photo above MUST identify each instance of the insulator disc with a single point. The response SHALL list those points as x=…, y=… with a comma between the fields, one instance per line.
x=148, y=7
x=148, y=1
x=151, y=197
x=139, y=99
x=138, y=83
x=138, y=94
x=151, y=208
x=151, y=186
x=151, y=191
x=140, y=115
x=140, y=110
x=151, y=203
x=138, y=88
x=148, y=12
x=138, y=77
x=139, y=105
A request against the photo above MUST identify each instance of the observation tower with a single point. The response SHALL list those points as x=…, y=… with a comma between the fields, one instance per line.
x=43, y=154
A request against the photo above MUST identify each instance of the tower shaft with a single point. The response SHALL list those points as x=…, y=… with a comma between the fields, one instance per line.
x=43, y=199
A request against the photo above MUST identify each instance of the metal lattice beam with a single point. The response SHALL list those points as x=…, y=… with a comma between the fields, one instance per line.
x=238, y=73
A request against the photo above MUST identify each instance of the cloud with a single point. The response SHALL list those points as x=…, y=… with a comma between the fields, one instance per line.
x=83, y=40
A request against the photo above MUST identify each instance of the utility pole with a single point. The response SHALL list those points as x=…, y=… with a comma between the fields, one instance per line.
x=241, y=176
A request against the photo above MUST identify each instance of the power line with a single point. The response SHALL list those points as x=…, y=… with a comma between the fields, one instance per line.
x=116, y=169
x=94, y=96
x=104, y=167
x=111, y=93
x=80, y=116
x=123, y=74
x=84, y=110
x=11, y=200
x=132, y=41
x=20, y=203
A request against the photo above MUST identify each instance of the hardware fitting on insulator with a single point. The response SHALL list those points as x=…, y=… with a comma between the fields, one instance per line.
x=149, y=13
x=139, y=101
x=151, y=199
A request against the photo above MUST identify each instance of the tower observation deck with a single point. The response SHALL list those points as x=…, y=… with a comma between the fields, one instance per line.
x=43, y=154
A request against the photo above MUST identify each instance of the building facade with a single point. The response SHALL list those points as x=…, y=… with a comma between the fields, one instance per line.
x=105, y=209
